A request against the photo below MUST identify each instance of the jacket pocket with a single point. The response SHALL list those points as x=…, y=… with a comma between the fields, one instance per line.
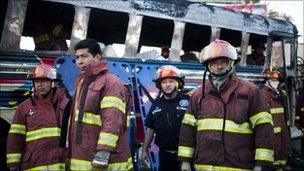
x=240, y=111
x=26, y=157
x=211, y=151
x=246, y=155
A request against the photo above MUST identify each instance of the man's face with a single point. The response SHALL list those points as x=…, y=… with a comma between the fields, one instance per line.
x=84, y=58
x=42, y=85
x=259, y=50
x=219, y=66
x=168, y=85
x=165, y=53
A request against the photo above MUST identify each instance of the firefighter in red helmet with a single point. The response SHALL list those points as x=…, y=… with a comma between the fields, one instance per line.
x=226, y=126
x=274, y=97
x=165, y=117
x=34, y=136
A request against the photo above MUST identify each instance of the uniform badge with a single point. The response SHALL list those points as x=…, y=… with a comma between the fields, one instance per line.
x=31, y=112
x=184, y=103
x=157, y=109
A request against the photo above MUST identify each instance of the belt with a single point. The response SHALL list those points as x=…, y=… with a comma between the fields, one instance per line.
x=171, y=151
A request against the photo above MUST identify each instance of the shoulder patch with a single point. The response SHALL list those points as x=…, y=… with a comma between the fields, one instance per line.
x=184, y=103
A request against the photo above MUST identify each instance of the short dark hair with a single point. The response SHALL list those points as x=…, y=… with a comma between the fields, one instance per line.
x=91, y=44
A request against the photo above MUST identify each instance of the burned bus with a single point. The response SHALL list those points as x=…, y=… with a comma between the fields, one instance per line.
x=131, y=33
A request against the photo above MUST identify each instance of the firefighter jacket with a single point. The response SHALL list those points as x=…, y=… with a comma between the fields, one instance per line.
x=100, y=119
x=165, y=118
x=281, y=132
x=33, y=140
x=300, y=112
x=227, y=130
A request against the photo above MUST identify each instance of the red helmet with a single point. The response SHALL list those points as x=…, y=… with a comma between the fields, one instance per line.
x=218, y=49
x=169, y=71
x=44, y=71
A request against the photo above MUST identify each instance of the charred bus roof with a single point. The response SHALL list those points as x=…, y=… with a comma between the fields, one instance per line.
x=109, y=21
x=196, y=13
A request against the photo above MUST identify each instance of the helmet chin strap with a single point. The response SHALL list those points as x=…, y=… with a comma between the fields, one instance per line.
x=220, y=80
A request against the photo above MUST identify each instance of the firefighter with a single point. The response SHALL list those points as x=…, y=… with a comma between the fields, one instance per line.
x=274, y=96
x=226, y=126
x=33, y=140
x=165, y=117
x=99, y=132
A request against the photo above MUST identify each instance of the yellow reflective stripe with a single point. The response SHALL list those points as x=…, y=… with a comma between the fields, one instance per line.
x=280, y=162
x=41, y=38
x=277, y=110
x=89, y=118
x=107, y=139
x=264, y=154
x=297, y=117
x=203, y=167
x=121, y=166
x=288, y=123
x=217, y=124
x=302, y=109
x=57, y=29
x=128, y=120
x=112, y=101
x=189, y=119
x=261, y=118
x=42, y=133
x=184, y=151
x=277, y=129
x=56, y=166
x=13, y=158
x=17, y=129
x=80, y=164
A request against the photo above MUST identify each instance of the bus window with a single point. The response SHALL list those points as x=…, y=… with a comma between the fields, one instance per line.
x=196, y=37
x=257, y=50
x=155, y=32
x=109, y=28
x=49, y=24
x=234, y=37
x=276, y=57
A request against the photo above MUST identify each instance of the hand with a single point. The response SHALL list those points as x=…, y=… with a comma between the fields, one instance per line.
x=257, y=168
x=14, y=168
x=185, y=166
x=144, y=155
x=101, y=160
x=145, y=158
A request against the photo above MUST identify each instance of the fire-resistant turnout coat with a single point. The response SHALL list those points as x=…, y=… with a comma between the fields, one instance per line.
x=227, y=130
x=33, y=140
x=282, y=136
x=100, y=120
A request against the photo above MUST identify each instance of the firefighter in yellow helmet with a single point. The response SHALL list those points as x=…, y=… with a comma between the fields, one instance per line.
x=34, y=136
x=226, y=126
x=165, y=117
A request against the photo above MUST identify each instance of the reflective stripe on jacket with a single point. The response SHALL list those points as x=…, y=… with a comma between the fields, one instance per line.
x=104, y=121
x=232, y=131
x=33, y=140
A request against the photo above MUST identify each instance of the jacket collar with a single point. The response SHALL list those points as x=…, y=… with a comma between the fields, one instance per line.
x=227, y=91
x=97, y=67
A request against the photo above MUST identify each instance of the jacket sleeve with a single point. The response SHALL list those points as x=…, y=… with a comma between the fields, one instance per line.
x=16, y=138
x=187, y=136
x=114, y=107
x=286, y=141
x=262, y=125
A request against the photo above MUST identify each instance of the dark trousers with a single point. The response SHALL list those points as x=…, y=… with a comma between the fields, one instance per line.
x=168, y=161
